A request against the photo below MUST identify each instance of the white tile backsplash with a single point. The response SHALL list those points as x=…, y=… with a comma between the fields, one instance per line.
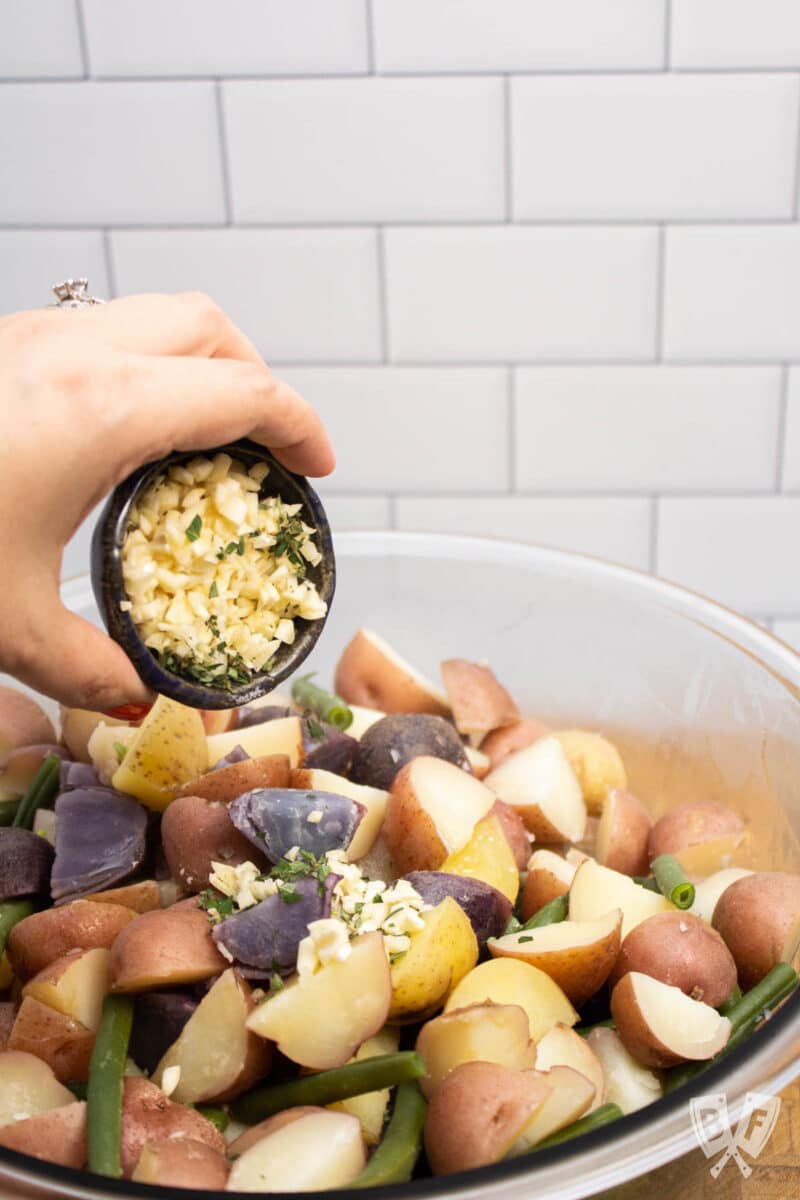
x=301, y=295
x=40, y=39
x=417, y=410
x=614, y=528
x=646, y=428
x=735, y=33
x=241, y=37
x=733, y=292
x=536, y=262
x=513, y=293
x=99, y=153
x=517, y=35
x=661, y=146
x=366, y=149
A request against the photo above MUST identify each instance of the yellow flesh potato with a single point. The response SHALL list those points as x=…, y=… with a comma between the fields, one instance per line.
x=75, y=985
x=168, y=750
x=370, y=1107
x=487, y=856
x=509, y=981
x=494, y=1033
x=439, y=956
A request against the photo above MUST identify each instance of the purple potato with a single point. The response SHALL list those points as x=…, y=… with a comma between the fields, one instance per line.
x=78, y=775
x=331, y=750
x=158, y=1019
x=101, y=840
x=25, y=863
x=393, y=741
x=236, y=755
x=489, y=911
x=276, y=819
x=268, y=712
x=266, y=936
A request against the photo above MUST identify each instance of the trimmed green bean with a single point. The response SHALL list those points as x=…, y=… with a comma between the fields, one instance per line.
x=601, y=1116
x=41, y=792
x=672, y=881
x=216, y=1115
x=647, y=881
x=328, y=706
x=104, y=1092
x=728, y=1005
x=8, y=810
x=326, y=1087
x=12, y=911
x=550, y=913
x=395, y=1158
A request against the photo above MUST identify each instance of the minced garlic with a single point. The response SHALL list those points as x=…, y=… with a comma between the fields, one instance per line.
x=245, y=883
x=214, y=574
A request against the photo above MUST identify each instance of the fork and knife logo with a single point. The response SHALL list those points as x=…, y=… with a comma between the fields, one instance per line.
x=716, y=1135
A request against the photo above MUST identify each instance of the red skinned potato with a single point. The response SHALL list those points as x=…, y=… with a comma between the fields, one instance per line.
x=19, y=769
x=148, y=1116
x=23, y=722
x=8, y=1015
x=549, y=876
x=182, y=1162
x=477, y=1113
x=515, y=832
x=44, y=936
x=143, y=896
x=680, y=950
x=623, y=834
x=432, y=810
x=196, y=832
x=500, y=743
x=57, y=1136
x=54, y=1037
x=759, y=919
x=660, y=1026
x=479, y=701
x=373, y=675
x=701, y=834
x=165, y=949
x=226, y=783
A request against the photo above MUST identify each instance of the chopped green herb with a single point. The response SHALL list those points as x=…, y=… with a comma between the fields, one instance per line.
x=288, y=542
x=393, y=958
x=121, y=750
x=315, y=730
x=213, y=591
x=216, y=906
x=524, y=938
x=289, y=894
x=275, y=983
x=193, y=528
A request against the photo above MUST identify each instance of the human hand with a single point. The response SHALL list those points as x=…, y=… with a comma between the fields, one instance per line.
x=87, y=396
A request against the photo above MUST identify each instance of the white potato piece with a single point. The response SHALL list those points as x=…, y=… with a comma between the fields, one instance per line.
x=363, y=719
x=578, y=955
x=495, y=1033
x=542, y=786
x=75, y=985
x=509, y=981
x=372, y=674
x=481, y=763
x=373, y=799
x=354, y=996
x=563, y=1047
x=318, y=1151
x=708, y=891
x=28, y=1086
x=661, y=1026
x=571, y=1095
x=282, y=736
x=597, y=889
x=432, y=811
x=628, y=1084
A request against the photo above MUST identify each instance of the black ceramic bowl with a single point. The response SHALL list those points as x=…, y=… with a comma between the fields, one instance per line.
x=109, y=535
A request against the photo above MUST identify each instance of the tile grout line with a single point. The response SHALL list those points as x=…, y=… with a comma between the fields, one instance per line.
x=661, y=293
x=780, y=449
x=508, y=150
x=441, y=224
x=654, y=521
x=83, y=37
x=111, y=273
x=462, y=72
x=224, y=159
x=511, y=409
x=383, y=295
x=369, y=24
x=668, y=35
x=796, y=189
x=392, y=498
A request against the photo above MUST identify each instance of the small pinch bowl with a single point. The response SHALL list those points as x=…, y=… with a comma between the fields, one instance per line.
x=109, y=589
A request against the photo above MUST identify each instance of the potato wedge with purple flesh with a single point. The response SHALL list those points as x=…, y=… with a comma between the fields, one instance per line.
x=58, y=1136
x=372, y=800
x=164, y=949
x=26, y=861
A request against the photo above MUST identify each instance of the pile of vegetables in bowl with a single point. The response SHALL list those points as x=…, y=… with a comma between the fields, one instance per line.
x=342, y=939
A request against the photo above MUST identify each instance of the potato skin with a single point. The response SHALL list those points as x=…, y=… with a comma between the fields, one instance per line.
x=60, y=1041
x=8, y=1015
x=479, y=701
x=164, y=949
x=148, y=1115
x=182, y=1162
x=628, y=834
x=371, y=675
x=395, y=740
x=43, y=937
x=225, y=784
x=477, y=1113
x=23, y=722
x=411, y=834
x=501, y=743
x=515, y=832
x=757, y=916
x=196, y=832
x=691, y=824
x=57, y=1136
x=541, y=886
x=681, y=950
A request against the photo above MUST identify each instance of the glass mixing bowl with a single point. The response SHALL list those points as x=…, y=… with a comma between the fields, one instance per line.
x=702, y=704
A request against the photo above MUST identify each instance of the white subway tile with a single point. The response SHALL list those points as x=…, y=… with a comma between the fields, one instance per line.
x=733, y=292
x=412, y=428
x=701, y=147
x=366, y=149
x=96, y=153
x=646, y=428
x=788, y=631
x=354, y=512
x=243, y=37
x=508, y=293
x=737, y=549
x=735, y=33
x=613, y=528
x=32, y=262
x=39, y=39
x=791, y=441
x=300, y=294
x=517, y=35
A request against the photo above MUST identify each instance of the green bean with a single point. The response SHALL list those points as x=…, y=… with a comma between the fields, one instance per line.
x=672, y=881
x=326, y=1087
x=41, y=792
x=217, y=1116
x=647, y=881
x=550, y=913
x=728, y=1005
x=513, y=926
x=328, y=706
x=601, y=1116
x=12, y=911
x=104, y=1093
x=8, y=810
x=394, y=1159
